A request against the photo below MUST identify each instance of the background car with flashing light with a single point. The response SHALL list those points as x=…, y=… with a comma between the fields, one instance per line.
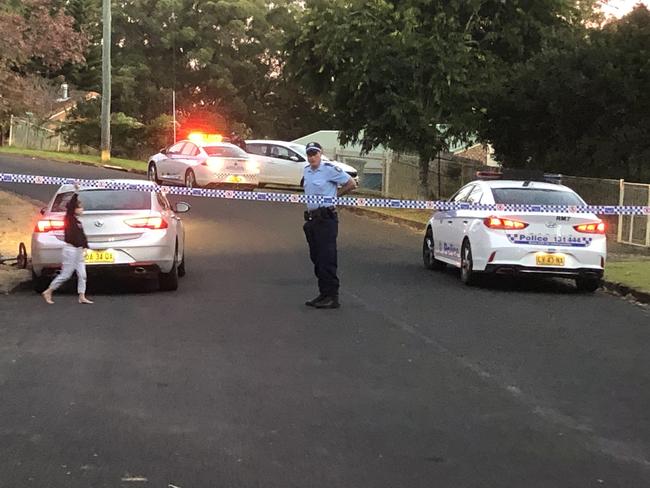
x=204, y=161
x=134, y=233
x=283, y=163
x=501, y=242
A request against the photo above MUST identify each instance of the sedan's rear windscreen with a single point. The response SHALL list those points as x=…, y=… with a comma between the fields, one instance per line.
x=534, y=196
x=225, y=152
x=106, y=200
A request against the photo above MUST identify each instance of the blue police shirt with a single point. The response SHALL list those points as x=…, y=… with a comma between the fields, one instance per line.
x=324, y=181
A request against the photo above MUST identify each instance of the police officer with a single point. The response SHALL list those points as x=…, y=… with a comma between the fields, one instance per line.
x=322, y=223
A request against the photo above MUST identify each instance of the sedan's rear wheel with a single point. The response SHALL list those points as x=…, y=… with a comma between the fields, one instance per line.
x=40, y=283
x=181, y=266
x=169, y=281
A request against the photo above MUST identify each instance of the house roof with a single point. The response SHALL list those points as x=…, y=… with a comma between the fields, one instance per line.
x=60, y=108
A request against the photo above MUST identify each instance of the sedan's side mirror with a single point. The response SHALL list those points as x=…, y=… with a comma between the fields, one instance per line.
x=43, y=211
x=295, y=159
x=182, y=207
x=163, y=150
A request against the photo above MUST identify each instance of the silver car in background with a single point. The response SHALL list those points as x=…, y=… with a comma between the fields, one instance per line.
x=130, y=232
x=283, y=163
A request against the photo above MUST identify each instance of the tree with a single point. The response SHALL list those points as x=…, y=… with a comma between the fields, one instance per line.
x=582, y=108
x=129, y=136
x=412, y=74
x=36, y=38
x=225, y=57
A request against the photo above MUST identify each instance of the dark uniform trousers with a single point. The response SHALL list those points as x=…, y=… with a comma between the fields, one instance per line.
x=321, y=229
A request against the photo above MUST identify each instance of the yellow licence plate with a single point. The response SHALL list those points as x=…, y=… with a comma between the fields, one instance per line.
x=93, y=257
x=549, y=259
x=234, y=179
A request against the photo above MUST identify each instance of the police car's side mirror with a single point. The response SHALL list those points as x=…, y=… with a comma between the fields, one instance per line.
x=295, y=159
x=163, y=150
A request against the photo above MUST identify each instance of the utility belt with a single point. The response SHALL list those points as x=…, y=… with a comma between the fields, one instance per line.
x=321, y=213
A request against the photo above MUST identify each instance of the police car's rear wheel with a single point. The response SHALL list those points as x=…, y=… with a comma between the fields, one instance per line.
x=588, y=285
x=190, y=179
x=153, y=174
x=428, y=257
x=467, y=274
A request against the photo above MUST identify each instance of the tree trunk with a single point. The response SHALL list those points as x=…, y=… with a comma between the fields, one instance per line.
x=424, y=193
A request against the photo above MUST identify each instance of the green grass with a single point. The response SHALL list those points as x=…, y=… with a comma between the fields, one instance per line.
x=415, y=215
x=635, y=274
x=74, y=157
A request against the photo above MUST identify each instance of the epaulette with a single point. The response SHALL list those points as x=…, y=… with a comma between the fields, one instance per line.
x=332, y=166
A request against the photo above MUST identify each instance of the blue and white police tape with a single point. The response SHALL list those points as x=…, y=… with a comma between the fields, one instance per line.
x=320, y=200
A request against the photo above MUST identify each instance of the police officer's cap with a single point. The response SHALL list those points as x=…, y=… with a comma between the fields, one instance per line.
x=313, y=148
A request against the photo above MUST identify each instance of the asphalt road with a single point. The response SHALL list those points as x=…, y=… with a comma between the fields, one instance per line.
x=417, y=381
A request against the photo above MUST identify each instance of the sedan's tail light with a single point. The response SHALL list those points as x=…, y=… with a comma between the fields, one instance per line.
x=506, y=224
x=213, y=163
x=147, y=223
x=591, y=228
x=48, y=225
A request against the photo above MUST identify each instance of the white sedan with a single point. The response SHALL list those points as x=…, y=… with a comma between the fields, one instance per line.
x=131, y=233
x=283, y=163
x=201, y=162
x=569, y=245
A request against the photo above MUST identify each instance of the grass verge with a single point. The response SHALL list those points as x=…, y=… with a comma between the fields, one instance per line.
x=632, y=273
x=127, y=164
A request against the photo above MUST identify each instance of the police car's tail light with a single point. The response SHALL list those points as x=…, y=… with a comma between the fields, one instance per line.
x=147, y=223
x=252, y=166
x=213, y=163
x=48, y=225
x=505, y=224
x=591, y=228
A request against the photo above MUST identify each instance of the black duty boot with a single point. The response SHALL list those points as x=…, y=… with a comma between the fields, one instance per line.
x=328, y=302
x=313, y=301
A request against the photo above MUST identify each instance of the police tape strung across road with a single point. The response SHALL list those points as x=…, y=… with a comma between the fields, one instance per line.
x=304, y=199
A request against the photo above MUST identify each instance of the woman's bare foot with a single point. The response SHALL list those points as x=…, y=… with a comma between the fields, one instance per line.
x=83, y=299
x=47, y=295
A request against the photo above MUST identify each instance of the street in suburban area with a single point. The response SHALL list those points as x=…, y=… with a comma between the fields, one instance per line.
x=230, y=381
x=324, y=244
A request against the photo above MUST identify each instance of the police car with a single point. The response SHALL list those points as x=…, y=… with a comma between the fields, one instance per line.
x=569, y=245
x=204, y=160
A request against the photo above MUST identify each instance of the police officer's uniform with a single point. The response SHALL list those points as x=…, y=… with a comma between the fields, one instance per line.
x=321, y=228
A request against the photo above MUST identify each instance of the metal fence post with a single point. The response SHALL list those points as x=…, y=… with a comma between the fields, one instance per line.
x=621, y=199
x=647, y=224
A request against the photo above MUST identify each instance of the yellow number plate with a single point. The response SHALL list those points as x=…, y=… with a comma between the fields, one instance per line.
x=549, y=260
x=94, y=257
x=234, y=179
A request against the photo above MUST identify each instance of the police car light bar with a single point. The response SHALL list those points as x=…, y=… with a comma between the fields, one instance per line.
x=520, y=175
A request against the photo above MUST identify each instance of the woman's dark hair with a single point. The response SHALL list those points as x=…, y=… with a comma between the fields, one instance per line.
x=72, y=205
